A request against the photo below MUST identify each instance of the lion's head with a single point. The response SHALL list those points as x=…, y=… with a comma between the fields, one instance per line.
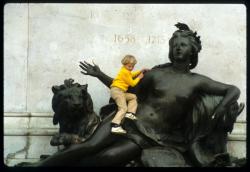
x=73, y=109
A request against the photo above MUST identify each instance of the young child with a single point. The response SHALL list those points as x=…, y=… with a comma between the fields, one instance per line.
x=126, y=102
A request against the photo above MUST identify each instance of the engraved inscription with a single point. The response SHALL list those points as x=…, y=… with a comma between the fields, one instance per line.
x=124, y=39
x=130, y=39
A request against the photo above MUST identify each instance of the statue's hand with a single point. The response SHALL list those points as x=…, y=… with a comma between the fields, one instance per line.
x=234, y=111
x=219, y=111
x=89, y=69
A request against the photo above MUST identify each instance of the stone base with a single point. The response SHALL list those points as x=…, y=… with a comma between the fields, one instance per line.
x=29, y=139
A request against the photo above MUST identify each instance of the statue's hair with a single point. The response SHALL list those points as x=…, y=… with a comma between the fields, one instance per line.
x=184, y=31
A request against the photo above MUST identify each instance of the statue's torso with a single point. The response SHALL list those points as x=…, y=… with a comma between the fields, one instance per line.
x=163, y=111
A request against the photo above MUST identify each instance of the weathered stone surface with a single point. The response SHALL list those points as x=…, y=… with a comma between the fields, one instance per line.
x=28, y=122
x=12, y=162
x=15, y=57
x=40, y=146
x=42, y=123
x=27, y=147
x=240, y=128
x=14, y=146
x=15, y=126
x=16, y=123
x=237, y=148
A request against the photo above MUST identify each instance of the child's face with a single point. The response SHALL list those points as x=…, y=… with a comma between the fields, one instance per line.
x=129, y=66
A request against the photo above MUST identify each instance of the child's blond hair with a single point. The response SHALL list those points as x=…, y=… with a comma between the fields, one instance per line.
x=128, y=59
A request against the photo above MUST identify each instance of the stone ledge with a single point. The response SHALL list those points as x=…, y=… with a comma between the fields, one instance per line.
x=11, y=162
x=237, y=137
x=29, y=123
x=30, y=132
x=28, y=114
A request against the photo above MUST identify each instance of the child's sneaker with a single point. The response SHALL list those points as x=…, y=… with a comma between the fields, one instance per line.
x=118, y=130
x=130, y=116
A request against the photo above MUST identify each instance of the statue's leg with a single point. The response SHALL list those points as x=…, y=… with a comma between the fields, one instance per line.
x=117, y=154
x=100, y=139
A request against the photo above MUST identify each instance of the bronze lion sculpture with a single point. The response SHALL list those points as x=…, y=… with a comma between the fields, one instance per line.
x=74, y=113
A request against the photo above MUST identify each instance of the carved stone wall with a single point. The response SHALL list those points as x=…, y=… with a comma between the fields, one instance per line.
x=43, y=44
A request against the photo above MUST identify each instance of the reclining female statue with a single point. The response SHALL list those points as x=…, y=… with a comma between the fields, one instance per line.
x=183, y=117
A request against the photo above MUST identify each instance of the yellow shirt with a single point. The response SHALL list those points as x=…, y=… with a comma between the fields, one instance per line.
x=124, y=79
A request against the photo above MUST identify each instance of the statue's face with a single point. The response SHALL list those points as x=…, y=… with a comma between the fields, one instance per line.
x=182, y=49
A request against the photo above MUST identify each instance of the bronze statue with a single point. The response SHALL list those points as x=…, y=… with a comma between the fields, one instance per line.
x=183, y=117
x=74, y=112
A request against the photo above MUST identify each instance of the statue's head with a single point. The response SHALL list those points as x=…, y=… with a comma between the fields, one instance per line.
x=74, y=113
x=71, y=101
x=193, y=40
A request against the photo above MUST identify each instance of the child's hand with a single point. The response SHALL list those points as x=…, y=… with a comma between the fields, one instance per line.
x=140, y=75
x=144, y=70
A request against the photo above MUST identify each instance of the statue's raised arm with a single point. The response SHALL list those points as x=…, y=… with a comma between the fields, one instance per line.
x=95, y=71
